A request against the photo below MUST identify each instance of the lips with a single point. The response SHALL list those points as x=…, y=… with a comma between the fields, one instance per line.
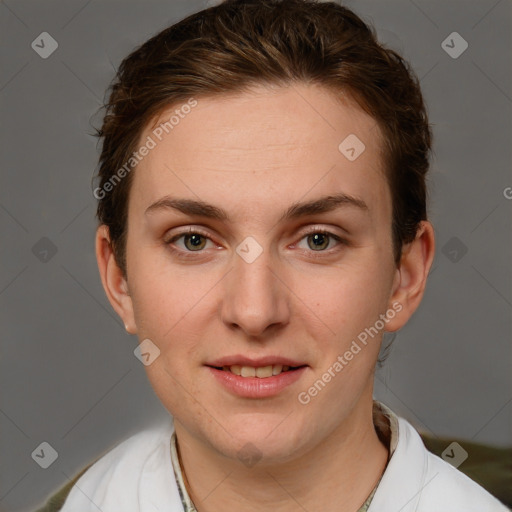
x=253, y=386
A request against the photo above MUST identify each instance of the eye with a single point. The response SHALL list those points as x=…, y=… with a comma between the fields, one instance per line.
x=320, y=240
x=193, y=240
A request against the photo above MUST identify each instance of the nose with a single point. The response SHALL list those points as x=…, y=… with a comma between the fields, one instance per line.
x=256, y=300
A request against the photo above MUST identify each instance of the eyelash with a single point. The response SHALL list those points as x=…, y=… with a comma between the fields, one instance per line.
x=192, y=254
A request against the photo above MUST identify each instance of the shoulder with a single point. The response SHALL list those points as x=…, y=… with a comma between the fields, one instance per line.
x=443, y=487
x=56, y=501
x=417, y=480
x=134, y=469
x=134, y=449
x=446, y=485
x=490, y=466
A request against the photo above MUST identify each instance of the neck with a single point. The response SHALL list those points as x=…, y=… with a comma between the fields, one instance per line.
x=337, y=475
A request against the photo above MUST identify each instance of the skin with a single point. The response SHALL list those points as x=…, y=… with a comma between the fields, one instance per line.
x=254, y=154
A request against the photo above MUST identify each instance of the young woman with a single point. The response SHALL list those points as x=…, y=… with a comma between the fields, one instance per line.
x=262, y=208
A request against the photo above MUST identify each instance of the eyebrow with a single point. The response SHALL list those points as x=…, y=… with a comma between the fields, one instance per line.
x=296, y=210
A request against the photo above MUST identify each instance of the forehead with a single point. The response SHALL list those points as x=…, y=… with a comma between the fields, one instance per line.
x=263, y=147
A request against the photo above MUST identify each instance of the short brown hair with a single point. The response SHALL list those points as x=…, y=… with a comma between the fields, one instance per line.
x=240, y=43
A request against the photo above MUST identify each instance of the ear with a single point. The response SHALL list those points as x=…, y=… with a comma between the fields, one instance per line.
x=411, y=276
x=113, y=280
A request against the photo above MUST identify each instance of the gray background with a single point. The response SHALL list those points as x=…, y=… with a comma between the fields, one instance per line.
x=68, y=373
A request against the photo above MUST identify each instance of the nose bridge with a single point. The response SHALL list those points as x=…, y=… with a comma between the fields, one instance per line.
x=254, y=299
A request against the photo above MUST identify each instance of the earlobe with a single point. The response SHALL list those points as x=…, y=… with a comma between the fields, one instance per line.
x=411, y=276
x=113, y=280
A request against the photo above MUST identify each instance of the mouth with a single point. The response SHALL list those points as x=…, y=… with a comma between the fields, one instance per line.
x=260, y=372
x=261, y=379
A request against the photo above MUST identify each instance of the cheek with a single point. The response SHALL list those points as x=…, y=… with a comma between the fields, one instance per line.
x=343, y=299
x=167, y=312
x=164, y=297
x=173, y=309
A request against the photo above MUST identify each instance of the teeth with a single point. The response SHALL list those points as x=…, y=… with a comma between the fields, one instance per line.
x=276, y=369
x=237, y=370
x=248, y=371
x=262, y=372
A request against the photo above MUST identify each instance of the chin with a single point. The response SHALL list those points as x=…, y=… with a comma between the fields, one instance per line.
x=262, y=442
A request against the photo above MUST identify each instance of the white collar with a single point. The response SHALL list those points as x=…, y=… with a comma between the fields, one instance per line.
x=386, y=424
x=137, y=476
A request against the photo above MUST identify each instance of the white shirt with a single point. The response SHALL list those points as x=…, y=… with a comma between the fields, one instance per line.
x=138, y=476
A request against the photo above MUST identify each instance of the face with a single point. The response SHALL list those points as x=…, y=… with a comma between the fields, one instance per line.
x=273, y=273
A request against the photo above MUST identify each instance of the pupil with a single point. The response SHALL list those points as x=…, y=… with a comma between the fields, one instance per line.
x=319, y=237
x=195, y=240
